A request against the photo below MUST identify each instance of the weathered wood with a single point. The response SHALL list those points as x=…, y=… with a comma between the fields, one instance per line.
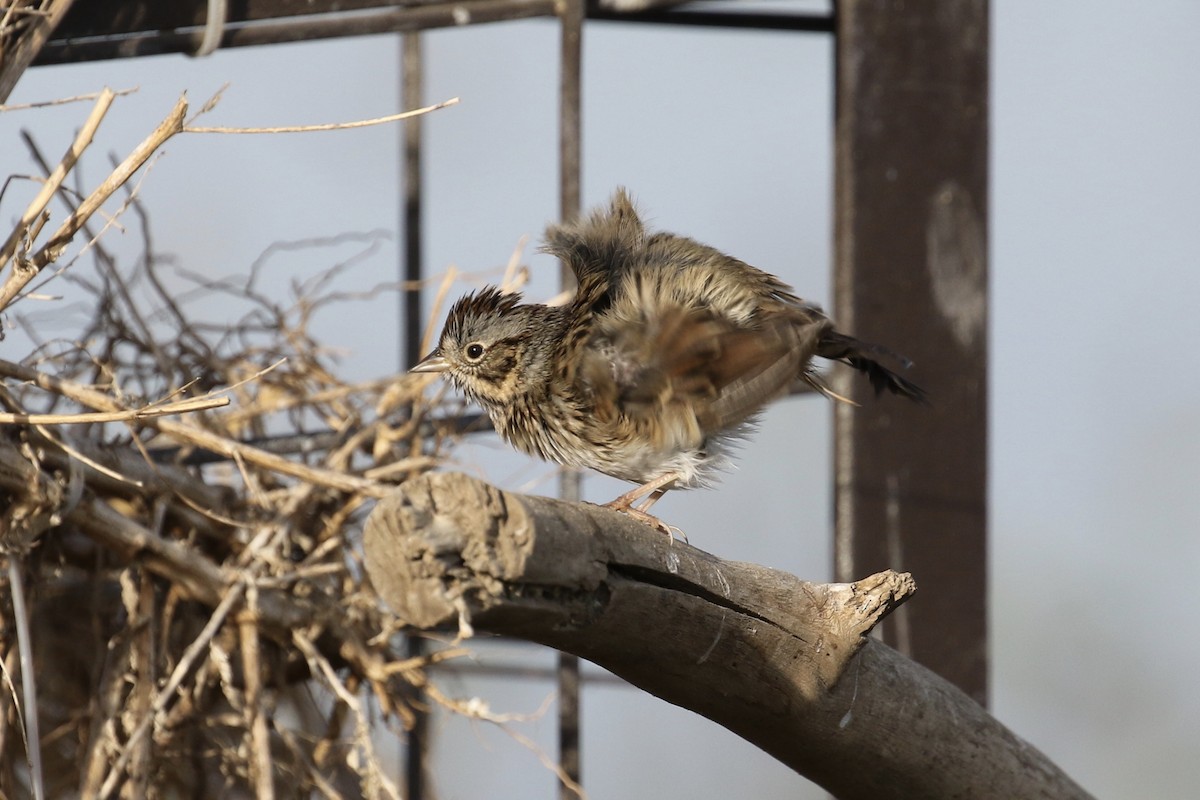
x=784, y=663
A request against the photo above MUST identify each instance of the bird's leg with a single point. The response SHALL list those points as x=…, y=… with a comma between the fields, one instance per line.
x=651, y=500
x=652, y=491
x=656, y=488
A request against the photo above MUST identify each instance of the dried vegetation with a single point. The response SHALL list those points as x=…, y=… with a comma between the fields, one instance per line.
x=179, y=509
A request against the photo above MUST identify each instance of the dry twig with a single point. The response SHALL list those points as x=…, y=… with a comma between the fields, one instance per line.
x=329, y=126
x=129, y=415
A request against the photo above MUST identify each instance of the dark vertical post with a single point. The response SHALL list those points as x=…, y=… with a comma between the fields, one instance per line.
x=411, y=96
x=571, y=13
x=911, y=272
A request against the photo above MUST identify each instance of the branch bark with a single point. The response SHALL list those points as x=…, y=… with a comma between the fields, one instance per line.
x=784, y=663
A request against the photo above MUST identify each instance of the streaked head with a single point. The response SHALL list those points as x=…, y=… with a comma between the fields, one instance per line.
x=482, y=347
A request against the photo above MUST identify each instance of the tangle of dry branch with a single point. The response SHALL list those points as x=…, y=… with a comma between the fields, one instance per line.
x=198, y=609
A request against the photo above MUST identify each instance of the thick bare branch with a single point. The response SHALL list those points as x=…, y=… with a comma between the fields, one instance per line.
x=784, y=663
x=56, y=176
x=24, y=271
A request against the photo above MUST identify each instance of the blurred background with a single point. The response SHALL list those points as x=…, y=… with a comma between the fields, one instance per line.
x=726, y=136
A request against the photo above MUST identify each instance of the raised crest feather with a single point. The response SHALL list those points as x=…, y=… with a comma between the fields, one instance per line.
x=598, y=245
x=489, y=301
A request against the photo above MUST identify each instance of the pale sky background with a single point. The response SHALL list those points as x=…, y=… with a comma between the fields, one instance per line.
x=726, y=136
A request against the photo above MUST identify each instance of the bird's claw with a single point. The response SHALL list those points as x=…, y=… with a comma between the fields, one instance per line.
x=648, y=519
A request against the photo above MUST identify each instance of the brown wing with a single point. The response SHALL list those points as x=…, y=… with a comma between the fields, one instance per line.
x=662, y=319
x=695, y=361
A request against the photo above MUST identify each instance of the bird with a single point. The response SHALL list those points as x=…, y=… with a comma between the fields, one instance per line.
x=656, y=368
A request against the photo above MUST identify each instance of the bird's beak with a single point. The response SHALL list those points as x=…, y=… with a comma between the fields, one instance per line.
x=434, y=362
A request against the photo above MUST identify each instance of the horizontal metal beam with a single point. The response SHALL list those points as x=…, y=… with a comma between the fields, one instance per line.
x=142, y=31
x=104, y=29
x=112, y=17
x=807, y=23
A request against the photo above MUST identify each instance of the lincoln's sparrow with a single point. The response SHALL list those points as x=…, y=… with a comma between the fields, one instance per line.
x=663, y=358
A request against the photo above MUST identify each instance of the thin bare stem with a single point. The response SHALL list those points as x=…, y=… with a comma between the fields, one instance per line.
x=330, y=126
x=79, y=98
x=164, y=697
x=33, y=737
x=372, y=773
x=259, y=741
x=131, y=415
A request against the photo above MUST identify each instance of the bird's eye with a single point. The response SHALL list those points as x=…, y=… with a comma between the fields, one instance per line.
x=474, y=351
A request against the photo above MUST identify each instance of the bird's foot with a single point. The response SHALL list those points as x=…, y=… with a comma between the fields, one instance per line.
x=648, y=494
x=647, y=519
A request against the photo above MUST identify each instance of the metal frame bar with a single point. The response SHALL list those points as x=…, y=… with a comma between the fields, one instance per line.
x=571, y=16
x=412, y=96
x=807, y=23
x=416, y=750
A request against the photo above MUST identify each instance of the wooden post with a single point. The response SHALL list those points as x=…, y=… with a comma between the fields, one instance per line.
x=911, y=270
